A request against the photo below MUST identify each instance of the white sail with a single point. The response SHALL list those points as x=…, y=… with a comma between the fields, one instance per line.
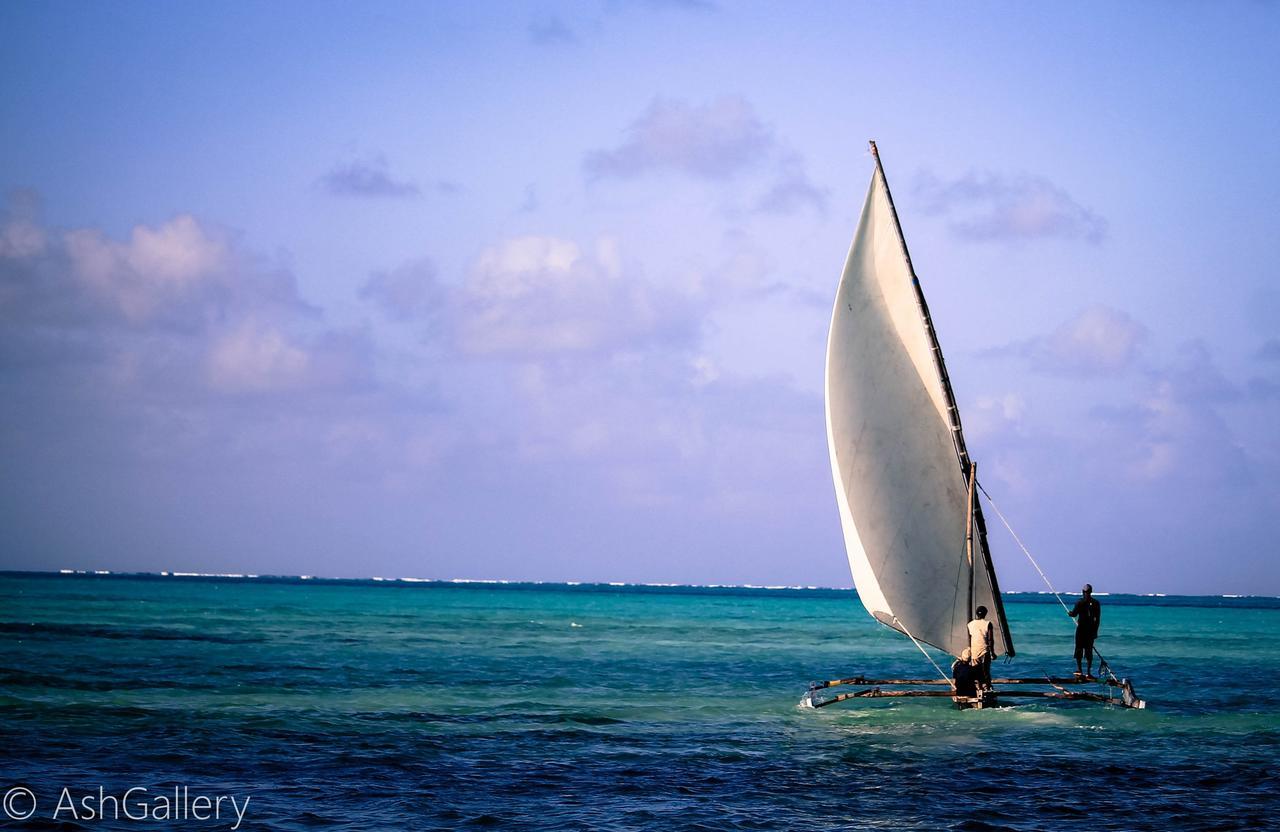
x=900, y=487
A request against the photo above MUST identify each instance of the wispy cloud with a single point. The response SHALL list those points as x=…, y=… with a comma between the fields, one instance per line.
x=792, y=192
x=1176, y=426
x=690, y=5
x=537, y=296
x=20, y=233
x=530, y=203
x=1194, y=376
x=718, y=141
x=551, y=30
x=370, y=178
x=989, y=206
x=673, y=5
x=410, y=291
x=713, y=141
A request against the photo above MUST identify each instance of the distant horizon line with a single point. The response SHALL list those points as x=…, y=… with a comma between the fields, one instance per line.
x=245, y=576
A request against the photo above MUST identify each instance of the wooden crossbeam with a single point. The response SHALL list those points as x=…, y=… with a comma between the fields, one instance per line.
x=877, y=693
x=1049, y=680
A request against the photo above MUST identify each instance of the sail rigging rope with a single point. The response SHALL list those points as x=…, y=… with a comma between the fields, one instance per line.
x=1103, y=666
x=941, y=675
x=1025, y=551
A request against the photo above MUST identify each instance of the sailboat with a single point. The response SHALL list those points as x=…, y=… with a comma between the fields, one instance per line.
x=905, y=484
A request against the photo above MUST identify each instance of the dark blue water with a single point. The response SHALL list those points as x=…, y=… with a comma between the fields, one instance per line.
x=358, y=705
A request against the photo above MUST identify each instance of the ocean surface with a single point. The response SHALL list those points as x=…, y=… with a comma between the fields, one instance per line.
x=400, y=705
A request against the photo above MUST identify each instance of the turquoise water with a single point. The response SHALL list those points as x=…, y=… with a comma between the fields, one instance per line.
x=365, y=705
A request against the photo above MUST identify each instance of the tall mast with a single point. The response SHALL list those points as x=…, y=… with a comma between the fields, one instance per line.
x=968, y=538
x=953, y=411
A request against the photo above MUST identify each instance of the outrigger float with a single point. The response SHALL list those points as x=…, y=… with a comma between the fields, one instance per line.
x=905, y=485
x=1118, y=692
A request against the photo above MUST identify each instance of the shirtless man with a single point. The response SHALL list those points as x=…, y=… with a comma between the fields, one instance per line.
x=1088, y=615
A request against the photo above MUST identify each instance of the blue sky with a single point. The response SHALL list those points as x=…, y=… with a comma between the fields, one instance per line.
x=540, y=291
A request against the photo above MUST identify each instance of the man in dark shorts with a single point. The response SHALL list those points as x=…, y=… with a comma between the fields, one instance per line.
x=963, y=676
x=1088, y=615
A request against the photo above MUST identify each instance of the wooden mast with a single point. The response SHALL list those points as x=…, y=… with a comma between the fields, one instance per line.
x=953, y=415
x=968, y=534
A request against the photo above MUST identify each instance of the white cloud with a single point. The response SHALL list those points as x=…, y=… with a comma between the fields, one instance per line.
x=168, y=308
x=1097, y=339
x=254, y=359
x=565, y=384
x=155, y=267
x=179, y=252
x=994, y=415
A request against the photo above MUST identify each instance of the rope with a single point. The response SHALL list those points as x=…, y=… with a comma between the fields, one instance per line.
x=941, y=675
x=1049, y=681
x=1025, y=551
x=1104, y=668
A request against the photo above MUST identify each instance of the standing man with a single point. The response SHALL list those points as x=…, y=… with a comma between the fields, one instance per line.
x=1088, y=615
x=982, y=646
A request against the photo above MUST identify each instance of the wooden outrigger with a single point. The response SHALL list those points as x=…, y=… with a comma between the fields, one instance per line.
x=1118, y=691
